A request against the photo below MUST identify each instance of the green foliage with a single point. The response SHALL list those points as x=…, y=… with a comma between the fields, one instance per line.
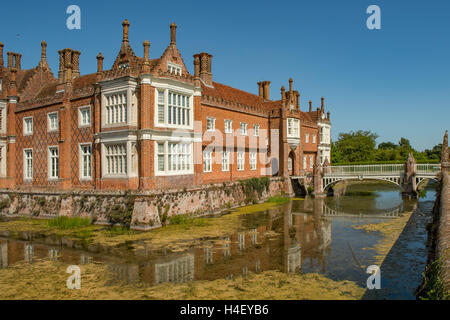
x=310, y=189
x=356, y=146
x=254, y=188
x=65, y=223
x=359, y=148
x=433, y=288
x=4, y=204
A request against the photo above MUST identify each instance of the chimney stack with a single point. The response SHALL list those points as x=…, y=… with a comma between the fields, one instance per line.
x=68, y=59
x=125, y=25
x=173, y=34
x=290, y=84
x=322, y=105
x=14, y=60
x=266, y=85
x=43, y=62
x=146, y=45
x=297, y=95
x=328, y=115
x=260, y=89
x=310, y=106
x=12, y=92
x=2, y=63
x=100, y=62
x=205, y=67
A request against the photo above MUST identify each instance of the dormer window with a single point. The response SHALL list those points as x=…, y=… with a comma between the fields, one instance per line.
x=174, y=68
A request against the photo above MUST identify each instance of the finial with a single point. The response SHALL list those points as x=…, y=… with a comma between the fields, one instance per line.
x=173, y=34
x=125, y=25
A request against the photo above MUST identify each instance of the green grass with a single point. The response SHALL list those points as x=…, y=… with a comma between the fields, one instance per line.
x=65, y=223
x=187, y=221
x=278, y=199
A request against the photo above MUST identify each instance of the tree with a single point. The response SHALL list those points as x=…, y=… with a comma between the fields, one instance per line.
x=387, y=146
x=356, y=146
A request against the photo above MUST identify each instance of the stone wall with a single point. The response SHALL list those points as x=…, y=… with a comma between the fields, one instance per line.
x=443, y=237
x=141, y=210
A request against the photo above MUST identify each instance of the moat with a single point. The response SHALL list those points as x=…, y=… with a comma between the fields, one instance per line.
x=331, y=237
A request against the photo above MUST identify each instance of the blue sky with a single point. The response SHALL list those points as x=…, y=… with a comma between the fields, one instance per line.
x=394, y=81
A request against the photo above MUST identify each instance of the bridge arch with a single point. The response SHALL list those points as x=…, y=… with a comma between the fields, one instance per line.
x=331, y=181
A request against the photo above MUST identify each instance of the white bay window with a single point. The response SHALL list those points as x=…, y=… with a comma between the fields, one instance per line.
x=293, y=128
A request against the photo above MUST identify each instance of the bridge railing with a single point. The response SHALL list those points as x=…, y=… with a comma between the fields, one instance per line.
x=367, y=170
x=428, y=168
x=381, y=169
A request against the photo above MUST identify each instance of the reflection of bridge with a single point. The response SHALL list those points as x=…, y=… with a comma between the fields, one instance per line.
x=389, y=214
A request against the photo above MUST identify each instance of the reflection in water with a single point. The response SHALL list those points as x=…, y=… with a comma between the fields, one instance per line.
x=311, y=235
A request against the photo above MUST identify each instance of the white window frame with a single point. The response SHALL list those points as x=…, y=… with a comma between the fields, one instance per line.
x=81, y=110
x=82, y=161
x=304, y=163
x=26, y=169
x=174, y=68
x=256, y=130
x=4, y=117
x=226, y=161
x=311, y=162
x=228, y=126
x=25, y=127
x=161, y=94
x=253, y=160
x=307, y=138
x=116, y=160
x=186, y=109
x=210, y=124
x=240, y=160
x=243, y=128
x=175, y=154
x=50, y=163
x=207, y=161
x=289, y=164
x=293, y=128
x=49, y=121
x=314, y=139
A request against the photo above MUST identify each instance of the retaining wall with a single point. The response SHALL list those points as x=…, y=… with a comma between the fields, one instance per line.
x=141, y=210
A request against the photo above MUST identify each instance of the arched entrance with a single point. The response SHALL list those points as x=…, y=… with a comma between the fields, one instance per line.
x=291, y=163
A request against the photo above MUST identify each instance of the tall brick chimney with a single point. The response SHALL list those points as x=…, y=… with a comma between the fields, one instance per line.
x=310, y=106
x=173, y=34
x=263, y=89
x=2, y=63
x=125, y=25
x=100, y=62
x=260, y=89
x=322, y=105
x=68, y=59
x=205, y=73
x=14, y=60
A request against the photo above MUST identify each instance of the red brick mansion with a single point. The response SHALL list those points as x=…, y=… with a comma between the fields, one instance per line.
x=147, y=124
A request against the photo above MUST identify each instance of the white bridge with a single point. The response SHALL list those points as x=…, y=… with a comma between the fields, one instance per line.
x=394, y=173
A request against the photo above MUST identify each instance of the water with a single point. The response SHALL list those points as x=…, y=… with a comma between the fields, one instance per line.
x=302, y=236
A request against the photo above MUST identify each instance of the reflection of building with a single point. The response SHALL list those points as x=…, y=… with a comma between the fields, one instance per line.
x=282, y=238
x=3, y=254
x=180, y=269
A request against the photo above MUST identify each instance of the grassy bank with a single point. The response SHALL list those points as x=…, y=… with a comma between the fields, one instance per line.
x=46, y=279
